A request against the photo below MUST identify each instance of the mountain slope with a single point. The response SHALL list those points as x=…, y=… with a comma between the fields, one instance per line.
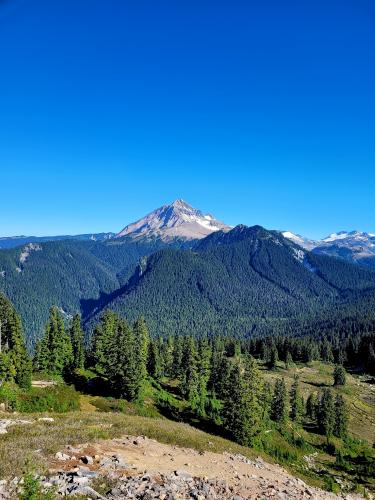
x=247, y=280
x=178, y=220
x=69, y=274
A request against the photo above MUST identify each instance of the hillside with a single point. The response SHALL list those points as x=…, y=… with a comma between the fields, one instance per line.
x=247, y=280
x=68, y=274
x=120, y=439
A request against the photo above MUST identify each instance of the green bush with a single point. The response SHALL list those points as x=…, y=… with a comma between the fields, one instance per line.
x=9, y=394
x=59, y=398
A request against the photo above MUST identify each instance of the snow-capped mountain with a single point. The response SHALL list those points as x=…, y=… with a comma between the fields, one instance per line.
x=179, y=220
x=354, y=246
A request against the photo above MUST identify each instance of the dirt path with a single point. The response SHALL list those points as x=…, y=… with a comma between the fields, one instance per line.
x=140, y=455
x=42, y=384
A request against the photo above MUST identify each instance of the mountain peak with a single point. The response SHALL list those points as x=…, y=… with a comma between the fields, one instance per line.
x=180, y=203
x=177, y=221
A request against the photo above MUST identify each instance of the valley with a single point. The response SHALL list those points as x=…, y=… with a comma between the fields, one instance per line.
x=236, y=345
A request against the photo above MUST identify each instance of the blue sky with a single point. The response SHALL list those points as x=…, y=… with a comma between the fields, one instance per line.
x=260, y=112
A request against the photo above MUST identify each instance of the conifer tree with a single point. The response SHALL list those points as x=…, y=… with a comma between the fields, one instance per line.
x=339, y=375
x=142, y=341
x=312, y=406
x=190, y=375
x=77, y=339
x=265, y=399
x=296, y=401
x=280, y=402
x=204, y=370
x=123, y=362
x=222, y=377
x=341, y=417
x=54, y=353
x=102, y=340
x=288, y=360
x=15, y=363
x=178, y=348
x=326, y=413
x=274, y=357
x=154, y=365
x=242, y=412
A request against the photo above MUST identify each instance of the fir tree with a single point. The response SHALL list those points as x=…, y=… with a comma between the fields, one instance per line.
x=54, y=353
x=274, y=357
x=102, y=339
x=142, y=341
x=123, y=362
x=154, y=365
x=242, y=415
x=326, y=413
x=288, y=360
x=15, y=363
x=296, y=401
x=279, y=410
x=204, y=370
x=312, y=406
x=341, y=417
x=77, y=338
x=339, y=375
x=190, y=375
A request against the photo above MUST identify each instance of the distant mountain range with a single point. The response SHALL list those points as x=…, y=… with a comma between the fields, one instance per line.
x=186, y=272
x=180, y=223
x=16, y=241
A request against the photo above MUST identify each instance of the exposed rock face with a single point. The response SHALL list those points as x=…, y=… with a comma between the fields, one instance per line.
x=176, y=221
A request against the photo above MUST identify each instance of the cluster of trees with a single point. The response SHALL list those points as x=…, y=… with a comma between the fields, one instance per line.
x=60, y=350
x=15, y=364
x=353, y=352
x=328, y=412
x=120, y=353
x=224, y=384
x=219, y=378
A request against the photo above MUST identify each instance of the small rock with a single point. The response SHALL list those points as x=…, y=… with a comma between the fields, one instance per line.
x=62, y=456
x=185, y=476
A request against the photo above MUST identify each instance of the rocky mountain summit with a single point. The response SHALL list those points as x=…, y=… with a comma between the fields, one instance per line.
x=179, y=220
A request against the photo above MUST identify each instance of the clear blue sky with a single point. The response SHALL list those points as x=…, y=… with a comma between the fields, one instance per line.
x=260, y=112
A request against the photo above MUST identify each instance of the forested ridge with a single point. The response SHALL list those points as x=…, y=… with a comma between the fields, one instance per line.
x=245, y=282
x=71, y=275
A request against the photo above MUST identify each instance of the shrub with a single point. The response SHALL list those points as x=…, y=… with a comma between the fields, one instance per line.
x=59, y=398
x=9, y=395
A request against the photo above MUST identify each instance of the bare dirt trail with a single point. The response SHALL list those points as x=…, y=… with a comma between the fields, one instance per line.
x=238, y=477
